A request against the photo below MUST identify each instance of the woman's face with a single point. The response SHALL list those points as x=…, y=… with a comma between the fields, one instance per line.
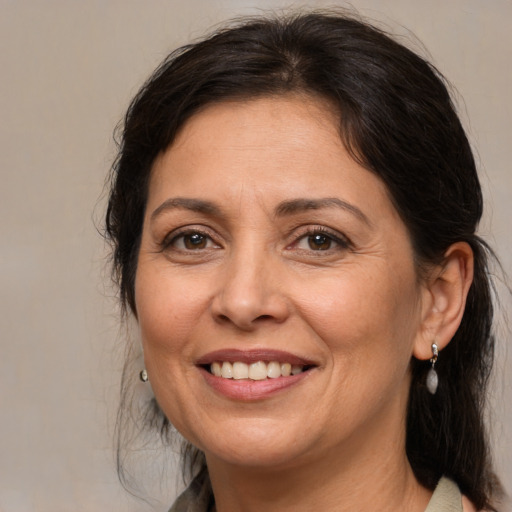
x=265, y=245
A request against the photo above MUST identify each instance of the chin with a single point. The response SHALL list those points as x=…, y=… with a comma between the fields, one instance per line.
x=254, y=446
x=255, y=458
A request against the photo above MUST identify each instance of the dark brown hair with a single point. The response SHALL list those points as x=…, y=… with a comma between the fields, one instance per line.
x=396, y=119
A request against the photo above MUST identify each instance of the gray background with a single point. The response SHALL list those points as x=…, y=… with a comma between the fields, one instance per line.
x=68, y=70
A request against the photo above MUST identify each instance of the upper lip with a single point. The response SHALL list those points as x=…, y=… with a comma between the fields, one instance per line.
x=233, y=355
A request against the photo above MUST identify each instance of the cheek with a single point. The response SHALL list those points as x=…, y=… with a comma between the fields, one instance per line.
x=359, y=312
x=168, y=317
x=168, y=309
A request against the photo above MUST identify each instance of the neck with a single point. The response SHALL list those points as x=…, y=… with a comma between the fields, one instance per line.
x=367, y=473
x=309, y=489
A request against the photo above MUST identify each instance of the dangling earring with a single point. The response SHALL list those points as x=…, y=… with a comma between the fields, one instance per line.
x=143, y=375
x=432, y=379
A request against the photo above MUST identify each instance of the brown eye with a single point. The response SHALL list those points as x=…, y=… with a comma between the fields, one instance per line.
x=319, y=242
x=191, y=241
x=195, y=241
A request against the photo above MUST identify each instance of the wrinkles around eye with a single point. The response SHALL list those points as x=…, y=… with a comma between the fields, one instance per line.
x=320, y=240
x=189, y=240
x=313, y=240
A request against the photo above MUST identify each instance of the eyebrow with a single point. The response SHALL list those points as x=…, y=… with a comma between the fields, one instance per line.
x=183, y=203
x=300, y=205
x=285, y=208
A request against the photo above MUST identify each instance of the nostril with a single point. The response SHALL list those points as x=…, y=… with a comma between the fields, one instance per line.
x=263, y=317
x=243, y=323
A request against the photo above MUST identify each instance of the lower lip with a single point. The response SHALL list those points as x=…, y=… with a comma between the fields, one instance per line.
x=250, y=390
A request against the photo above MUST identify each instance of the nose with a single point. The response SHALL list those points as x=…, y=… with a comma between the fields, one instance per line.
x=250, y=293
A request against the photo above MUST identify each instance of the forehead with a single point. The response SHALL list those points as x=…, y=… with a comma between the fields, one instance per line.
x=282, y=147
x=275, y=124
x=276, y=112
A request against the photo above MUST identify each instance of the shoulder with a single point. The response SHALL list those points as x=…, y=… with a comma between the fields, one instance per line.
x=448, y=498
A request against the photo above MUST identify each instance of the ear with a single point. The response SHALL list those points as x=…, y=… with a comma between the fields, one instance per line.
x=445, y=295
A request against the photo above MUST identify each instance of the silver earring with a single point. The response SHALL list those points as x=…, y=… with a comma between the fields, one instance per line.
x=143, y=375
x=432, y=378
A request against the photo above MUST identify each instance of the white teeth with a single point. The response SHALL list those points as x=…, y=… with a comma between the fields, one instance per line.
x=216, y=369
x=273, y=370
x=227, y=370
x=286, y=369
x=258, y=371
x=296, y=369
x=255, y=371
x=240, y=371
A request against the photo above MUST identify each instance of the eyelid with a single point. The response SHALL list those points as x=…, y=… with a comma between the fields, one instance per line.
x=339, y=238
x=173, y=235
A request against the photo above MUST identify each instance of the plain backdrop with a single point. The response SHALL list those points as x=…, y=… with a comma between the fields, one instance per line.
x=68, y=70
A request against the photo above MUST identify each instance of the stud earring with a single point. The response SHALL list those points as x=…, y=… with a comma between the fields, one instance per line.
x=143, y=375
x=432, y=378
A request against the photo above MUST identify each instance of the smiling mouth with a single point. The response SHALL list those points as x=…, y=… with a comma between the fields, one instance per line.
x=253, y=375
x=259, y=370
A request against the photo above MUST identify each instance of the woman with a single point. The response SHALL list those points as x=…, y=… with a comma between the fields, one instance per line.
x=293, y=213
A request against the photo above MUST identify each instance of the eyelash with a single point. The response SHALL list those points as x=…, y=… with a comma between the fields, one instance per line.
x=341, y=242
x=170, y=240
